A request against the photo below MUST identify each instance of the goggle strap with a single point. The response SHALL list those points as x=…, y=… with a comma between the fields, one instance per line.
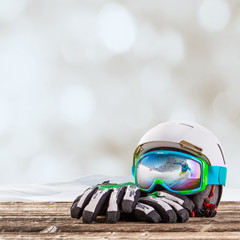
x=133, y=171
x=217, y=175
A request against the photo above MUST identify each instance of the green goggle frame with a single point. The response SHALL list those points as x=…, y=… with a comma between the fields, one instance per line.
x=210, y=175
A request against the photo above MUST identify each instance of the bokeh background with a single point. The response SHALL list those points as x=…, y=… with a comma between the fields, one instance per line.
x=82, y=81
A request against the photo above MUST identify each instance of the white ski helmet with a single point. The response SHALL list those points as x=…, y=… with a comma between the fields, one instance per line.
x=184, y=136
x=194, y=139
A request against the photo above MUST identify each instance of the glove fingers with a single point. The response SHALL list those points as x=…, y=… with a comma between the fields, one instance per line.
x=182, y=214
x=184, y=201
x=130, y=199
x=144, y=212
x=113, y=211
x=91, y=211
x=80, y=202
x=164, y=210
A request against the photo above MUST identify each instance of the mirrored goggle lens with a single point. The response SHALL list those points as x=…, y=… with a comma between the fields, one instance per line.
x=176, y=170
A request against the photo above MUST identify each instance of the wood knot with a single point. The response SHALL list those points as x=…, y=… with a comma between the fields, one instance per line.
x=50, y=229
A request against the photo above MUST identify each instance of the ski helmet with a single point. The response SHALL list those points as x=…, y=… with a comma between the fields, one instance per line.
x=189, y=140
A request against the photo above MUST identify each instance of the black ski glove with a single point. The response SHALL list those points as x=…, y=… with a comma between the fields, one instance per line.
x=164, y=206
x=106, y=197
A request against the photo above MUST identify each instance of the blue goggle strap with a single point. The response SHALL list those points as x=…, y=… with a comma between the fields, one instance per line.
x=133, y=171
x=217, y=175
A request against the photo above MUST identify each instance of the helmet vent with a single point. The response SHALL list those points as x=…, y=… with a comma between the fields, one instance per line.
x=221, y=153
x=187, y=125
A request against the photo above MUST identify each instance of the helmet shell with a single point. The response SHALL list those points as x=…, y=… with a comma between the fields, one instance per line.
x=174, y=133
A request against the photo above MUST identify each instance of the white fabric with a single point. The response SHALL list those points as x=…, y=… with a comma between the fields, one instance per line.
x=130, y=193
x=83, y=197
x=160, y=202
x=113, y=200
x=173, y=204
x=144, y=208
x=95, y=200
x=169, y=196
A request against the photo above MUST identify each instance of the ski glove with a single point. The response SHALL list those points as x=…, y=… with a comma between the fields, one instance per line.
x=105, y=197
x=164, y=206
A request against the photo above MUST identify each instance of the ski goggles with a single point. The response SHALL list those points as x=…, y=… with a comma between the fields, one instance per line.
x=176, y=171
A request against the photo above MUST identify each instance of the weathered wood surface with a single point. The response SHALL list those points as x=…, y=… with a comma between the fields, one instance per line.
x=51, y=220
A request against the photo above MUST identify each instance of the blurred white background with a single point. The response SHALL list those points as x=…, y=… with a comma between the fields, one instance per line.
x=82, y=81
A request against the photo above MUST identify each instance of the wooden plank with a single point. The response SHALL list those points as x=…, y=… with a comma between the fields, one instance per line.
x=63, y=208
x=73, y=226
x=29, y=220
x=116, y=235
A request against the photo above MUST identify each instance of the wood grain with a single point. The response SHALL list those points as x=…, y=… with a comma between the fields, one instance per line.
x=51, y=220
